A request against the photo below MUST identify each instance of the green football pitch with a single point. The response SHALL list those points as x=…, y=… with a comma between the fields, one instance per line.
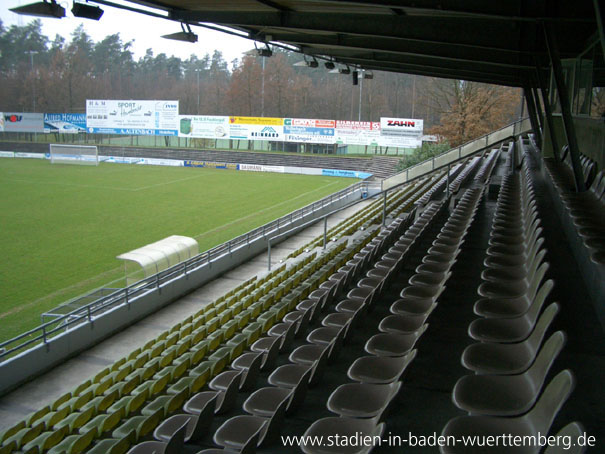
x=64, y=225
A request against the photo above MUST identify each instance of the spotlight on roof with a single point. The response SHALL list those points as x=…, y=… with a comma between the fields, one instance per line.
x=87, y=11
x=345, y=70
x=263, y=51
x=368, y=75
x=186, y=35
x=329, y=65
x=309, y=63
x=41, y=9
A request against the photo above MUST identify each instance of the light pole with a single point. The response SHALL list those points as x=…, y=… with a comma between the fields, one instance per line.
x=198, y=90
x=262, y=90
x=361, y=74
x=31, y=59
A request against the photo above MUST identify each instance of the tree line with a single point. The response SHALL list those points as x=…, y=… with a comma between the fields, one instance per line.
x=58, y=75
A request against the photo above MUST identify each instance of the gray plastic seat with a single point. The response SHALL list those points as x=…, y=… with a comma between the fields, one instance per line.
x=502, y=260
x=300, y=320
x=364, y=295
x=520, y=248
x=512, y=235
x=401, y=324
x=223, y=400
x=383, y=369
x=387, y=344
x=196, y=426
x=511, y=273
x=345, y=427
x=507, y=395
x=435, y=267
x=494, y=358
x=265, y=401
x=362, y=400
x=413, y=306
x=512, y=289
x=289, y=375
x=422, y=291
x=537, y=421
x=269, y=351
x=248, y=377
x=429, y=279
x=513, y=329
x=236, y=432
x=173, y=446
x=509, y=307
x=285, y=340
x=439, y=258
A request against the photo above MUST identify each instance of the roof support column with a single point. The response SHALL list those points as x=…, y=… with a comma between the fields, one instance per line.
x=533, y=117
x=599, y=13
x=539, y=110
x=548, y=112
x=570, y=131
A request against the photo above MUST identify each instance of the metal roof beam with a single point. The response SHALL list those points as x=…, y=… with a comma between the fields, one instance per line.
x=385, y=57
x=404, y=46
x=472, y=32
x=420, y=72
x=475, y=76
x=274, y=5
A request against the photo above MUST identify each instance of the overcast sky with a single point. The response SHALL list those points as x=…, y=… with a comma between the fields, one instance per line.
x=144, y=30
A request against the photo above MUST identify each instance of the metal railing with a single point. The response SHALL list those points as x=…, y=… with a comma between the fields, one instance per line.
x=455, y=154
x=45, y=331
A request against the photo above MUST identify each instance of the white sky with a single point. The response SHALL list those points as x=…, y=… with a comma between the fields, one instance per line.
x=144, y=30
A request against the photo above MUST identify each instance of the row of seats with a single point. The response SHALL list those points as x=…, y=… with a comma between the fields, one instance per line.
x=353, y=223
x=510, y=362
x=470, y=166
x=267, y=405
x=160, y=375
x=485, y=171
x=439, y=187
x=398, y=202
x=586, y=210
x=360, y=406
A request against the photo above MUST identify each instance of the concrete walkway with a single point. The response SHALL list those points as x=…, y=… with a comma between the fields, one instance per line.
x=62, y=379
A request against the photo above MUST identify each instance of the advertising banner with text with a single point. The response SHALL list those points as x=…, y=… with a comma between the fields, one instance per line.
x=309, y=130
x=357, y=132
x=65, y=123
x=204, y=126
x=144, y=118
x=21, y=122
x=401, y=126
x=256, y=128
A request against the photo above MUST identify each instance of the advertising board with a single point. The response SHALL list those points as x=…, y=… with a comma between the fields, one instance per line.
x=130, y=117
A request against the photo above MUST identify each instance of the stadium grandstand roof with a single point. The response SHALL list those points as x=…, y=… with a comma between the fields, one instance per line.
x=499, y=42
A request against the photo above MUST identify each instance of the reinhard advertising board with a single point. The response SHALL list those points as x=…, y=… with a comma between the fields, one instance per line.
x=309, y=130
x=130, y=117
x=256, y=128
x=204, y=126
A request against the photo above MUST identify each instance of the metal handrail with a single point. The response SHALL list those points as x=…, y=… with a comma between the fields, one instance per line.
x=154, y=282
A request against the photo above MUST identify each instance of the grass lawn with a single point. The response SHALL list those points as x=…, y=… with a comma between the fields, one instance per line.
x=63, y=225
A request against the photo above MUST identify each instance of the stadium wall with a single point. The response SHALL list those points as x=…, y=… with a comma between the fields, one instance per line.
x=207, y=164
